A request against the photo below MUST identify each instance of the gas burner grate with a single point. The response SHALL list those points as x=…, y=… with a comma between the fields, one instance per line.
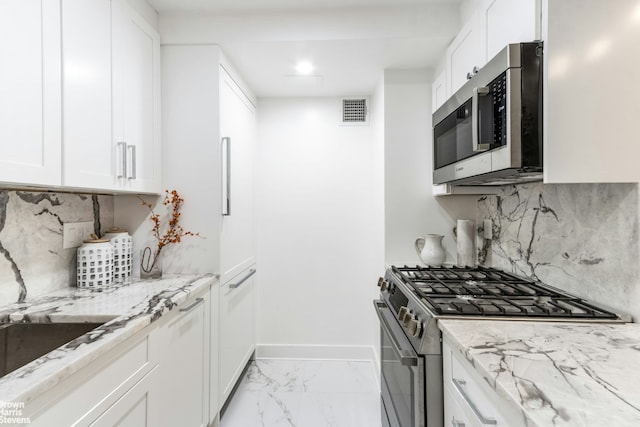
x=517, y=307
x=482, y=291
x=477, y=281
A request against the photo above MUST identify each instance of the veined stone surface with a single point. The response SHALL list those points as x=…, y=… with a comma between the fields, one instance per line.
x=555, y=374
x=32, y=261
x=581, y=238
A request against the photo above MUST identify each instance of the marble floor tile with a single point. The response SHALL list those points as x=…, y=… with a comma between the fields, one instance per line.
x=338, y=376
x=274, y=376
x=339, y=410
x=262, y=409
x=300, y=393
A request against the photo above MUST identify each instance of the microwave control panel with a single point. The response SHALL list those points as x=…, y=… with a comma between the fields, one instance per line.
x=498, y=90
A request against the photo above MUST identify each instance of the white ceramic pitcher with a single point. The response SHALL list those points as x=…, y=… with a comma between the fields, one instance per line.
x=430, y=249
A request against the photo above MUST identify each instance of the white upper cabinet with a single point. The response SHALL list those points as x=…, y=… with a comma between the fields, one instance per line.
x=30, y=111
x=86, y=83
x=493, y=25
x=136, y=98
x=507, y=21
x=439, y=90
x=464, y=55
x=591, y=91
x=110, y=98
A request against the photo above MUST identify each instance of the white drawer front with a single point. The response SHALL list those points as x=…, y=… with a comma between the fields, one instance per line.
x=477, y=401
x=81, y=399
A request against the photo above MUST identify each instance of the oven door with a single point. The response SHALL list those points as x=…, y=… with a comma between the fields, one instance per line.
x=403, y=376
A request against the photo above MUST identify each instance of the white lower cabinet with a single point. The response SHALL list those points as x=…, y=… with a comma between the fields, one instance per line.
x=181, y=389
x=158, y=378
x=214, y=346
x=454, y=415
x=84, y=397
x=132, y=409
x=468, y=399
x=237, y=329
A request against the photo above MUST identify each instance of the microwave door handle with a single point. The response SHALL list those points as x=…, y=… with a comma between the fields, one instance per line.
x=475, y=119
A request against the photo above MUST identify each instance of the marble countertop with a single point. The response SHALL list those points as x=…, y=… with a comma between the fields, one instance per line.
x=558, y=374
x=126, y=309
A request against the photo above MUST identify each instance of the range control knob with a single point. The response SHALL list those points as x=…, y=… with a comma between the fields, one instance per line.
x=414, y=327
x=383, y=284
x=402, y=313
x=408, y=318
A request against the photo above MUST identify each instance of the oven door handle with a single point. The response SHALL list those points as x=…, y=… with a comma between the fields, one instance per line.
x=407, y=357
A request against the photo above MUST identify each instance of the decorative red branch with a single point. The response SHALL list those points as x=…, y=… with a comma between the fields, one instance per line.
x=174, y=233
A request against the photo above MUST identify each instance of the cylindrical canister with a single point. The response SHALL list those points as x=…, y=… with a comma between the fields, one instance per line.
x=95, y=264
x=465, y=243
x=122, y=254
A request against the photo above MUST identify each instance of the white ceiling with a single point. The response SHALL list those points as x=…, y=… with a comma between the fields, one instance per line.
x=350, y=42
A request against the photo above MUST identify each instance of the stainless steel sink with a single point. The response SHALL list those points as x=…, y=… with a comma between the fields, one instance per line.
x=21, y=343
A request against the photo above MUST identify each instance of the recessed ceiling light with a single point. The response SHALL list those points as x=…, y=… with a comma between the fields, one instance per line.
x=304, y=67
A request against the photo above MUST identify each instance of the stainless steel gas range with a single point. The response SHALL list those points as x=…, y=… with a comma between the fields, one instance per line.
x=414, y=298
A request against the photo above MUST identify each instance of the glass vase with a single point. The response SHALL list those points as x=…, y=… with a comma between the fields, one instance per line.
x=150, y=264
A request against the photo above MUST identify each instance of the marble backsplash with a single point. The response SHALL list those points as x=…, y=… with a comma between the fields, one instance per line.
x=32, y=261
x=582, y=238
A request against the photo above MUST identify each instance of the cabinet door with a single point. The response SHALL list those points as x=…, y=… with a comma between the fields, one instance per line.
x=463, y=55
x=214, y=348
x=453, y=413
x=86, y=81
x=136, y=98
x=237, y=130
x=237, y=335
x=591, y=97
x=30, y=111
x=507, y=21
x=180, y=398
x=132, y=409
x=439, y=91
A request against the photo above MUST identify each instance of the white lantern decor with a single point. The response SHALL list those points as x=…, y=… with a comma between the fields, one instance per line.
x=95, y=264
x=122, y=254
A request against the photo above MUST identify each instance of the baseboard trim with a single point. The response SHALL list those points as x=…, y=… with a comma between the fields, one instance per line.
x=315, y=352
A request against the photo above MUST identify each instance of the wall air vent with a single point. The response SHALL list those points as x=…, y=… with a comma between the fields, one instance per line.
x=355, y=111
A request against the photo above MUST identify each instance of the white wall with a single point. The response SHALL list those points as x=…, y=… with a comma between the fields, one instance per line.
x=411, y=209
x=377, y=126
x=320, y=230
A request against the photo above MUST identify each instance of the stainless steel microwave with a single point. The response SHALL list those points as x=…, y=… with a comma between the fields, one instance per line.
x=490, y=131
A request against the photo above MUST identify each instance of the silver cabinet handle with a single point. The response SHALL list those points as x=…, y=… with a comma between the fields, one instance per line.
x=460, y=386
x=244, y=279
x=122, y=146
x=196, y=303
x=226, y=176
x=456, y=423
x=475, y=118
x=473, y=72
x=131, y=170
x=407, y=357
